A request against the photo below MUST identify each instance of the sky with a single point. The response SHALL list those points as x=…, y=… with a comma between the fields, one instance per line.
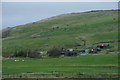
x=20, y=13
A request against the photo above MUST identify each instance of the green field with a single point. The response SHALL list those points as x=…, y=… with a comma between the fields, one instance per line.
x=67, y=30
x=80, y=66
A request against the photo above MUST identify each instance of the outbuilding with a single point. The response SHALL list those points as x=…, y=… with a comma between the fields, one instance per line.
x=103, y=46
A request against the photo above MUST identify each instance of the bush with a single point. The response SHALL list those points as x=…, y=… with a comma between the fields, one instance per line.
x=20, y=54
x=54, y=52
x=28, y=53
x=34, y=54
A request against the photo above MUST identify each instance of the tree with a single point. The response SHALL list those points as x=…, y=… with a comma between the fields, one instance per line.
x=55, y=52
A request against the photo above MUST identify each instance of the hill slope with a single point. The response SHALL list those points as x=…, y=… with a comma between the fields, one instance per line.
x=63, y=30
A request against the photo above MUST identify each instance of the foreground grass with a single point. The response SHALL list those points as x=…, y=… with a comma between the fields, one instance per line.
x=71, y=66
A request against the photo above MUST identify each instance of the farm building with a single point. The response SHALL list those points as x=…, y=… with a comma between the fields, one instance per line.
x=93, y=50
x=103, y=46
x=69, y=52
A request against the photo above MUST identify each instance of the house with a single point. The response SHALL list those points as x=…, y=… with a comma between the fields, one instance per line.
x=93, y=50
x=103, y=46
x=69, y=52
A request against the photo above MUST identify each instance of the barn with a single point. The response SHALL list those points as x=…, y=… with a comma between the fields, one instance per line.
x=103, y=46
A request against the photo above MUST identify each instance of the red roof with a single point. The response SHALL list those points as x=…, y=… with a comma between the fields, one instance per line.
x=102, y=44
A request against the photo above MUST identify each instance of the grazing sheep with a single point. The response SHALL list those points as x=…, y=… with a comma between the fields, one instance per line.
x=16, y=60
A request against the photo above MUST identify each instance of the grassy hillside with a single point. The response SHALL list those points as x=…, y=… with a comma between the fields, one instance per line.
x=63, y=30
